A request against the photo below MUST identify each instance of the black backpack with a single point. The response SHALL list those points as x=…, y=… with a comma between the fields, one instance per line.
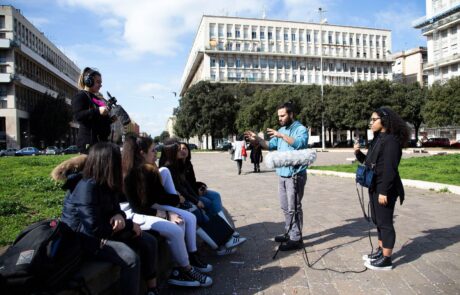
x=42, y=259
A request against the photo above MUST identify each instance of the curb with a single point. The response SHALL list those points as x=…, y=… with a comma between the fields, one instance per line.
x=406, y=182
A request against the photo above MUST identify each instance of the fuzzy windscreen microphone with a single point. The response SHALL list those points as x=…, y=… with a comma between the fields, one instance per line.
x=279, y=159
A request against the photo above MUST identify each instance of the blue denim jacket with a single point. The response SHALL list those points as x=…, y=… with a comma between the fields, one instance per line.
x=300, y=134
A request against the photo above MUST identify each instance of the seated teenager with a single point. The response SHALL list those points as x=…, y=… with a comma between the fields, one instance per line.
x=91, y=209
x=211, y=199
x=172, y=158
x=155, y=209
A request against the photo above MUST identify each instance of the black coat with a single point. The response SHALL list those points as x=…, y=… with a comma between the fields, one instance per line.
x=88, y=209
x=386, y=178
x=93, y=126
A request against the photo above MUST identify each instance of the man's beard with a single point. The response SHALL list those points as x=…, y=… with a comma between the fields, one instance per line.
x=288, y=122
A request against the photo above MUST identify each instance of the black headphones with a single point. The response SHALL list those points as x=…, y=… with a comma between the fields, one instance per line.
x=88, y=78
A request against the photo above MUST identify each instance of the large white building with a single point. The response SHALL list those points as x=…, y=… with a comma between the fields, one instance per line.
x=441, y=26
x=235, y=49
x=30, y=65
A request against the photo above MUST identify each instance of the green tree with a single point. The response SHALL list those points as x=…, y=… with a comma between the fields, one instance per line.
x=443, y=104
x=50, y=119
x=408, y=101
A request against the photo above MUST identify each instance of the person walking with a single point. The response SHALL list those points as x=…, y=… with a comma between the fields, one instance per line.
x=239, y=150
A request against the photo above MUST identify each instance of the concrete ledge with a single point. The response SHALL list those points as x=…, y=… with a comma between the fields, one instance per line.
x=406, y=182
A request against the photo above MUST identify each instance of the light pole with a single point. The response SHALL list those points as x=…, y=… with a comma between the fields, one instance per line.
x=323, y=140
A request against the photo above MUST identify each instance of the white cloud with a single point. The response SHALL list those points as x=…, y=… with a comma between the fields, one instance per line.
x=158, y=26
x=39, y=21
x=111, y=23
x=149, y=87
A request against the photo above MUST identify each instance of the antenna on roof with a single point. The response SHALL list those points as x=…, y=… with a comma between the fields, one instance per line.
x=264, y=12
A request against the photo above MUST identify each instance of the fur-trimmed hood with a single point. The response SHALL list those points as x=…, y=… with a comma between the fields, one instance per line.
x=69, y=171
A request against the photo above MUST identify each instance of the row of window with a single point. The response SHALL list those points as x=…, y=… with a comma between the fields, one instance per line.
x=26, y=36
x=293, y=34
x=27, y=67
x=294, y=64
x=286, y=78
x=327, y=50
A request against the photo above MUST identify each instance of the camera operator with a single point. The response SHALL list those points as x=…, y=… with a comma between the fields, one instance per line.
x=291, y=136
x=90, y=111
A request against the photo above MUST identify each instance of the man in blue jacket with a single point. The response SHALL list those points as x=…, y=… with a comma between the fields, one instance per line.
x=291, y=136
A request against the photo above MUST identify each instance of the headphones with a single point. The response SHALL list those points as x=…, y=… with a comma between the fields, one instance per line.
x=88, y=78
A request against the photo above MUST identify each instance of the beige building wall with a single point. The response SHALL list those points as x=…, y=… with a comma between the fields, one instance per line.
x=408, y=66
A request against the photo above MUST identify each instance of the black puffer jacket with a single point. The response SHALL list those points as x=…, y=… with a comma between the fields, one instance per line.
x=88, y=210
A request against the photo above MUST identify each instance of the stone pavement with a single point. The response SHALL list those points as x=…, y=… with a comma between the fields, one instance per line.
x=427, y=251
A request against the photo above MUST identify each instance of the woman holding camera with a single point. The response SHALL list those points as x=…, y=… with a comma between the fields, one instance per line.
x=90, y=111
x=390, y=136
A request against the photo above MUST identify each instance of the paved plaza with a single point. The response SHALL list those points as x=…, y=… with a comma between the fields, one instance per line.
x=426, y=259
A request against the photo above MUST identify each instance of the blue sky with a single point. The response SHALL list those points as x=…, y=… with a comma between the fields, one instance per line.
x=141, y=46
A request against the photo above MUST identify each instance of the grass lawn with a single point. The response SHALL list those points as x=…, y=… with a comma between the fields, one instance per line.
x=27, y=193
x=442, y=169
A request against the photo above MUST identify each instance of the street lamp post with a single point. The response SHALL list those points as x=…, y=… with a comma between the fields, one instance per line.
x=323, y=140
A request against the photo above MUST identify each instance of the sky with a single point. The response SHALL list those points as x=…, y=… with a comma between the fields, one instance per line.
x=141, y=46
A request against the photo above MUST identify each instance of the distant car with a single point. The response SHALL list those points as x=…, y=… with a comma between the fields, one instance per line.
x=224, y=146
x=28, y=151
x=52, y=150
x=8, y=152
x=192, y=146
x=436, y=142
x=412, y=143
x=455, y=144
x=73, y=149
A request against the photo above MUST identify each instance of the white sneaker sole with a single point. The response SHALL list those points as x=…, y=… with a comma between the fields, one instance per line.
x=369, y=266
x=184, y=283
x=226, y=252
x=235, y=242
x=203, y=270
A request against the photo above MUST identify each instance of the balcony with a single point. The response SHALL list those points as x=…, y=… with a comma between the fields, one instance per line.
x=5, y=43
x=6, y=77
x=455, y=58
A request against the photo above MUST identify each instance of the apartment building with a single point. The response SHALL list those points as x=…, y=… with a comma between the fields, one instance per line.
x=235, y=49
x=30, y=65
x=408, y=66
x=441, y=27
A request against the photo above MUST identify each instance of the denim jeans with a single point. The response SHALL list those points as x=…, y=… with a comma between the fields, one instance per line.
x=212, y=202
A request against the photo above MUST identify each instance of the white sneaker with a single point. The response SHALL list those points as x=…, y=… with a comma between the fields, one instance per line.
x=234, y=241
x=222, y=251
x=236, y=234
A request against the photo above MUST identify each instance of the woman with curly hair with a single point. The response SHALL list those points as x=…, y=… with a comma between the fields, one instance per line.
x=391, y=134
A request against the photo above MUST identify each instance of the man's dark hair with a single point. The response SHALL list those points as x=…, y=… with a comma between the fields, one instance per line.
x=289, y=106
x=104, y=165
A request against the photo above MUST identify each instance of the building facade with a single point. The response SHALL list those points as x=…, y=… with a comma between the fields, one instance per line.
x=441, y=27
x=30, y=66
x=408, y=66
x=234, y=49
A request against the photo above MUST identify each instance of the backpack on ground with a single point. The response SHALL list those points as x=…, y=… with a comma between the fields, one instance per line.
x=42, y=258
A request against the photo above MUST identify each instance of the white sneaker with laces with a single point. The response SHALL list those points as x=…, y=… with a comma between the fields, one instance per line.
x=234, y=241
x=222, y=251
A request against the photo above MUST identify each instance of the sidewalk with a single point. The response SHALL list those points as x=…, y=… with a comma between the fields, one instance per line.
x=426, y=258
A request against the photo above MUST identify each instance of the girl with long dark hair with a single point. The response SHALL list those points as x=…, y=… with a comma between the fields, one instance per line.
x=91, y=209
x=391, y=134
x=173, y=158
x=155, y=209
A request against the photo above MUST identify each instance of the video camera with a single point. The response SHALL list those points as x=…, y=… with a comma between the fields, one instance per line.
x=117, y=110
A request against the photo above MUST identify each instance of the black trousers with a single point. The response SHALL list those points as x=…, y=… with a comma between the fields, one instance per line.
x=382, y=216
